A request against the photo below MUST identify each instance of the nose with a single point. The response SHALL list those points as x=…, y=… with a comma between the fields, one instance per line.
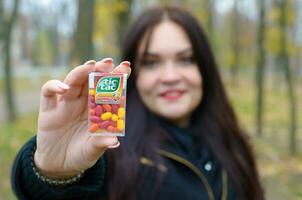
x=170, y=73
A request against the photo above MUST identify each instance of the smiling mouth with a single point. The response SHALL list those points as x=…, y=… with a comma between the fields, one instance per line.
x=172, y=95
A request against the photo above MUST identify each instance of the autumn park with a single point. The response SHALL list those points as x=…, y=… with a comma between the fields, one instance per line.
x=257, y=45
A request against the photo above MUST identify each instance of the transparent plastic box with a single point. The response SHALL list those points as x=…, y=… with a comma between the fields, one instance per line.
x=107, y=103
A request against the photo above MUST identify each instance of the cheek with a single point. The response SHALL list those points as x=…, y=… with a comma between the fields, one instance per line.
x=145, y=84
x=195, y=83
x=194, y=79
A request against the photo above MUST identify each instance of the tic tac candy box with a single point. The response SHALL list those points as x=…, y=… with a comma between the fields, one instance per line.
x=107, y=103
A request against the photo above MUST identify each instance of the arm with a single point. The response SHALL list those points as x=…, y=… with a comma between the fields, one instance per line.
x=26, y=184
x=63, y=147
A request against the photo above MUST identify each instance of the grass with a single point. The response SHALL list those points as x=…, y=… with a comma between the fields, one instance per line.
x=12, y=137
x=281, y=173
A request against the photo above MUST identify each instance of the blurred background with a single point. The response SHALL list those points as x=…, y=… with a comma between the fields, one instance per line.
x=257, y=44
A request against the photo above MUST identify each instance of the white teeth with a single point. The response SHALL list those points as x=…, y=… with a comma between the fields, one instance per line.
x=173, y=93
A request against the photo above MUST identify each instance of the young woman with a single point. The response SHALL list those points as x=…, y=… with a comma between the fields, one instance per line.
x=182, y=138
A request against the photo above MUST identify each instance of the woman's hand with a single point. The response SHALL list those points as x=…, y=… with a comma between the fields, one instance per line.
x=64, y=146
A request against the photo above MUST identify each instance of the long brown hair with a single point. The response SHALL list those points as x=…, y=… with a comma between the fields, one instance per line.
x=214, y=120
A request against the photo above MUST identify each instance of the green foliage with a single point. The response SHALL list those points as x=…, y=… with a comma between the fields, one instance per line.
x=273, y=32
x=105, y=35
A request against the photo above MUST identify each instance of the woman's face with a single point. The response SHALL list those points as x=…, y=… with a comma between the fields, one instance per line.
x=168, y=79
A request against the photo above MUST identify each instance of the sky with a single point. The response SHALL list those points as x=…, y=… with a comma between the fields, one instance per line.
x=222, y=6
x=247, y=7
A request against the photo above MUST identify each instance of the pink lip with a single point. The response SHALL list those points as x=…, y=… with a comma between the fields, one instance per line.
x=172, y=94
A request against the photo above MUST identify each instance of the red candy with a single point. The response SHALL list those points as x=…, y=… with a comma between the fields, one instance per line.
x=98, y=110
x=94, y=119
x=114, y=108
x=92, y=105
x=105, y=124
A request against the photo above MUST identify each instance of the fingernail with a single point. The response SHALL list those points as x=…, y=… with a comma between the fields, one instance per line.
x=89, y=62
x=126, y=63
x=63, y=86
x=107, y=60
x=114, y=146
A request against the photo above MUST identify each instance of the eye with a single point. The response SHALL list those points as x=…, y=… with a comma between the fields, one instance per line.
x=150, y=62
x=186, y=60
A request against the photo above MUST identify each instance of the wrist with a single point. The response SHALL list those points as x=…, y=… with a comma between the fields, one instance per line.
x=51, y=173
x=55, y=179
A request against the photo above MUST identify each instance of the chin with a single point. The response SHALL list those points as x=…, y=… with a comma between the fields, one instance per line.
x=173, y=115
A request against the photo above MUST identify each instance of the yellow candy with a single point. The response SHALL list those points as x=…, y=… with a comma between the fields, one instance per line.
x=121, y=113
x=120, y=124
x=114, y=117
x=106, y=116
x=91, y=92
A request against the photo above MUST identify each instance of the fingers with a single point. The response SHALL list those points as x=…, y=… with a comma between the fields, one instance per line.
x=98, y=144
x=75, y=83
x=104, y=142
x=89, y=62
x=78, y=75
x=105, y=65
x=53, y=87
x=123, y=67
x=49, y=93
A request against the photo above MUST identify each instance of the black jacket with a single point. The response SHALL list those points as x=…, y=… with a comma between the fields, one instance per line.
x=186, y=175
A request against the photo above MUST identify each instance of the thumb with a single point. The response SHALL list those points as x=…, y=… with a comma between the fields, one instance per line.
x=97, y=145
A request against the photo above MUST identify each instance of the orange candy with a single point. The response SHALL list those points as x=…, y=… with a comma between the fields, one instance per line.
x=116, y=130
x=93, y=128
x=107, y=107
x=123, y=101
x=111, y=128
x=92, y=112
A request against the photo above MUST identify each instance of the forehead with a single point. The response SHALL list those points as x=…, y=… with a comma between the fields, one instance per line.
x=166, y=38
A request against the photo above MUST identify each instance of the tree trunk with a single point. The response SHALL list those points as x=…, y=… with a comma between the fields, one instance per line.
x=123, y=19
x=83, y=39
x=6, y=35
x=288, y=75
x=1, y=21
x=210, y=5
x=260, y=66
x=235, y=44
x=54, y=37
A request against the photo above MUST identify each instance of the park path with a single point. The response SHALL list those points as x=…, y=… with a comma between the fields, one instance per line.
x=27, y=98
x=25, y=102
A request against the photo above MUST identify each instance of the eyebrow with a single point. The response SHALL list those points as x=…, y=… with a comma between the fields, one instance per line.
x=180, y=53
x=185, y=51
